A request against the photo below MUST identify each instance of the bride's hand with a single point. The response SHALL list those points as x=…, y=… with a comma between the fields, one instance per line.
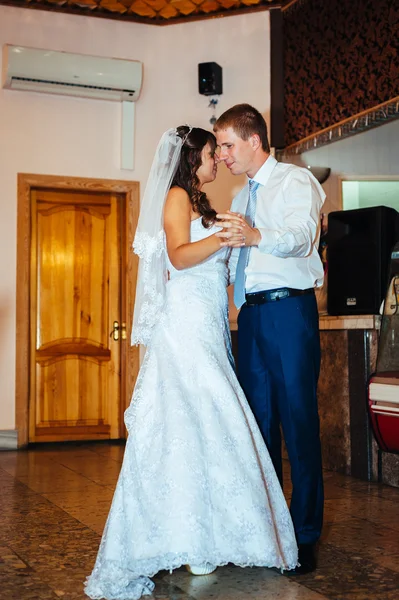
x=236, y=231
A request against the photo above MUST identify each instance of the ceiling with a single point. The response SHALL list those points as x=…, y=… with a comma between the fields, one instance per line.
x=156, y=12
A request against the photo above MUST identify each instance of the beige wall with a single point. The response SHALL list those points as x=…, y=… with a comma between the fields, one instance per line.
x=77, y=137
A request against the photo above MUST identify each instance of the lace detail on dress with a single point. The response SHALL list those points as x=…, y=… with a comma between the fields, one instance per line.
x=145, y=246
x=113, y=583
x=149, y=249
x=197, y=483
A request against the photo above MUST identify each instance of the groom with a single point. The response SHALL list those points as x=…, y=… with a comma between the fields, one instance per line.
x=276, y=266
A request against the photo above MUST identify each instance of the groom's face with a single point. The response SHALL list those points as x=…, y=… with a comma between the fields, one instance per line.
x=237, y=154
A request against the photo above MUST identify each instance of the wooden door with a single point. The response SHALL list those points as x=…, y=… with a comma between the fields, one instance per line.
x=75, y=298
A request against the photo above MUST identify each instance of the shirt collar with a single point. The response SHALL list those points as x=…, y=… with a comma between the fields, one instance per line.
x=263, y=174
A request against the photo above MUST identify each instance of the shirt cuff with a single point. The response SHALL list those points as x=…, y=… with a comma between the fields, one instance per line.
x=268, y=240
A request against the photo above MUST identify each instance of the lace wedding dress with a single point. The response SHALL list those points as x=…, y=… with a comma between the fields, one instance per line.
x=197, y=484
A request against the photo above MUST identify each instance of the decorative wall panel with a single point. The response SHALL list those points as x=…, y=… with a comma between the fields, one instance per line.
x=341, y=58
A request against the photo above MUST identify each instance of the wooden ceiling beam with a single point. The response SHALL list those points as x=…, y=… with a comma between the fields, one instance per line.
x=129, y=16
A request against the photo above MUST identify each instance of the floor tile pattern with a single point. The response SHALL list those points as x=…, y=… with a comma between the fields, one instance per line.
x=55, y=498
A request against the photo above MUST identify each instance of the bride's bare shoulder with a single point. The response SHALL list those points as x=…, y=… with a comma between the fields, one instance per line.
x=177, y=202
x=177, y=194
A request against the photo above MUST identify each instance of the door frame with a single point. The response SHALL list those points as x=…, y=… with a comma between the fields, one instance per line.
x=130, y=356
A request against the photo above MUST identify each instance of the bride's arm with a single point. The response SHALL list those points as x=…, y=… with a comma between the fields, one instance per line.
x=177, y=219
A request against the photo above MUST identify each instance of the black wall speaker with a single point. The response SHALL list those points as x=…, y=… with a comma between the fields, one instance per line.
x=210, y=79
x=359, y=246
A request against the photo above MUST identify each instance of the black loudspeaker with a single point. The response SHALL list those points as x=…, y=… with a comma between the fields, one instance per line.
x=210, y=79
x=358, y=253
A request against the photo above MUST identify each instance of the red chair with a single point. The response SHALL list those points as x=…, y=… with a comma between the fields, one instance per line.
x=383, y=404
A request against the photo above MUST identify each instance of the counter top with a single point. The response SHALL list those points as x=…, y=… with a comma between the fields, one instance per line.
x=349, y=322
x=328, y=322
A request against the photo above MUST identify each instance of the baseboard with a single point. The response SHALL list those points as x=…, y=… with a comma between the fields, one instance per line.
x=9, y=439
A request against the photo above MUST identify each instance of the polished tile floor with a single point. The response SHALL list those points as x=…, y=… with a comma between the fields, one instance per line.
x=54, y=501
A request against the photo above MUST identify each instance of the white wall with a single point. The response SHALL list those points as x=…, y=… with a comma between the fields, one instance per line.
x=77, y=137
x=373, y=154
x=365, y=194
x=350, y=195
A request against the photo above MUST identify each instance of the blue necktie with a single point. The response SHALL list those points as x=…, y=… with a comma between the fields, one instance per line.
x=239, y=284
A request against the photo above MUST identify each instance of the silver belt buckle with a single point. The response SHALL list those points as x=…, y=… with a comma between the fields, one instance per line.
x=281, y=294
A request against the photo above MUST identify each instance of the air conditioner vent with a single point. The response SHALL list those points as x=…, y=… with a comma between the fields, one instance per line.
x=77, y=85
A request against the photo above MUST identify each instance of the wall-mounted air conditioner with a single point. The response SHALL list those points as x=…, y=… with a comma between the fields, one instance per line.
x=53, y=72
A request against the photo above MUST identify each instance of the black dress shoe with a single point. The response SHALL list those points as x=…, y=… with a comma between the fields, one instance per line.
x=306, y=559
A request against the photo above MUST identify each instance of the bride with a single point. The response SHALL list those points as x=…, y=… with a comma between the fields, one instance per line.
x=197, y=486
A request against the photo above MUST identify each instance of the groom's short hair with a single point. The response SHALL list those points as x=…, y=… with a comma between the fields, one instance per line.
x=246, y=121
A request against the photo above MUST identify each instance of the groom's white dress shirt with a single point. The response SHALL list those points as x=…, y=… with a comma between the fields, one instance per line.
x=287, y=215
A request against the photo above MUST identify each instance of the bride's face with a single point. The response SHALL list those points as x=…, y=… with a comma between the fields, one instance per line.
x=207, y=171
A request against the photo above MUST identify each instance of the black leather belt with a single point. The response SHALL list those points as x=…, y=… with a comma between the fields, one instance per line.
x=274, y=295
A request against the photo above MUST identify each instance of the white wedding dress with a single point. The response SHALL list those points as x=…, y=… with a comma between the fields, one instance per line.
x=197, y=484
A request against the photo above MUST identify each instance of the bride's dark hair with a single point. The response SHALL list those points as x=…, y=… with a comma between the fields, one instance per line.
x=190, y=162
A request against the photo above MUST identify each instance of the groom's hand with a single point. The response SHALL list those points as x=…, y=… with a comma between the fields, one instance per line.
x=236, y=232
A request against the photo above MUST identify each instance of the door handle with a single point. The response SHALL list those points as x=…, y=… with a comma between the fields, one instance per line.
x=115, y=331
